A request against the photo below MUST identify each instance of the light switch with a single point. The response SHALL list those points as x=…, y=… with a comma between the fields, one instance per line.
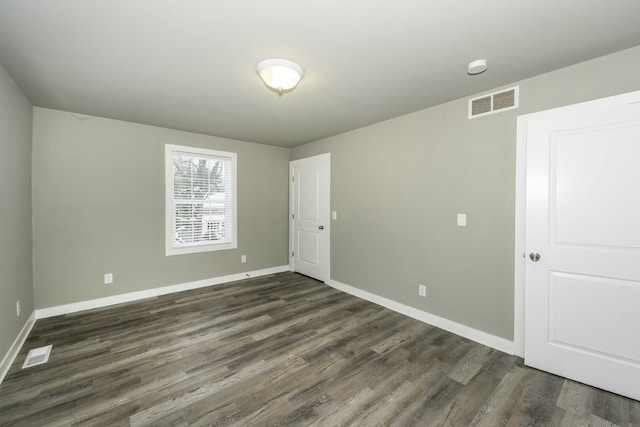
x=462, y=220
x=334, y=215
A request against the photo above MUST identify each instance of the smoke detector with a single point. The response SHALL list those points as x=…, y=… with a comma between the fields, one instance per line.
x=476, y=67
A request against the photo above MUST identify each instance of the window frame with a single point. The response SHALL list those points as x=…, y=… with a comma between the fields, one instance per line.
x=170, y=217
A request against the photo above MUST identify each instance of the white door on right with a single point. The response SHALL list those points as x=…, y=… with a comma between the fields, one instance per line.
x=310, y=216
x=582, y=295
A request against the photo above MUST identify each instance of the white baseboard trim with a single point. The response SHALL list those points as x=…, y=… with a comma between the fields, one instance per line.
x=8, y=359
x=484, y=338
x=149, y=293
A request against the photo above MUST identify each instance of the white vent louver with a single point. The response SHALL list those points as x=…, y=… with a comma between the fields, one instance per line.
x=37, y=356
x=503, y=100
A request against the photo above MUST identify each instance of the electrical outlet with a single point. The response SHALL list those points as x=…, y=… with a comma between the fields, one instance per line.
x=462, y=220
x=18, y=308
x=108, y=278
x=243, y=258
x=422, y=290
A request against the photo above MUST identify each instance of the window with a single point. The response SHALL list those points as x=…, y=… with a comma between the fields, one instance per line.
x=200, y=200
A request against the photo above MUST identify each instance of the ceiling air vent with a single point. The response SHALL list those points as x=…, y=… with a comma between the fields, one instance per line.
x=37, y=356
x=503, y=100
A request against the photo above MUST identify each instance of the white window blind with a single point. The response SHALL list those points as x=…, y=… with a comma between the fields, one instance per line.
x=201, y=200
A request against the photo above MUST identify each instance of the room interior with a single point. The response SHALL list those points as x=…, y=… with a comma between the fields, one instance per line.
x=90, y=94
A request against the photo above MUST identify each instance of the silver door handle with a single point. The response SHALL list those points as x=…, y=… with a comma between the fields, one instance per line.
x=321, y=227
x=535, y=256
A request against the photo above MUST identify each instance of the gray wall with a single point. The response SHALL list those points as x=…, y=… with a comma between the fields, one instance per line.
x=398, y=185
x=16, y=267
x=98, y=202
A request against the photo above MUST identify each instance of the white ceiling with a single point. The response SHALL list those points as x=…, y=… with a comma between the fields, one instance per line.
x=190, y=64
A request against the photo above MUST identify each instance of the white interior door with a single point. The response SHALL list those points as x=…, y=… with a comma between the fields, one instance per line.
x=310, y=227
x=582, y=297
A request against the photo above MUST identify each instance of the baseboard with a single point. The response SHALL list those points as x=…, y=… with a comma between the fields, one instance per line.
x=8, y=359
x=148, y=293
x=484, y=338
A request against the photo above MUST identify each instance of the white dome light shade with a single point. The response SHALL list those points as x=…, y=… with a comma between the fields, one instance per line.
x=280, y=74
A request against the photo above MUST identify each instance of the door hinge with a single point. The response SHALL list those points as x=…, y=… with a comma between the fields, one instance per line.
x=292, y=253
x=293, y=216
x=293, y=178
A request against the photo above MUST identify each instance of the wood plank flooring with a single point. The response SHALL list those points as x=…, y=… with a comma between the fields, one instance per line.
x=282, y=350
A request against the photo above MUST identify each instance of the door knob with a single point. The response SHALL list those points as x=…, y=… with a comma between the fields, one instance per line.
x=535, y=256
x=321, y=227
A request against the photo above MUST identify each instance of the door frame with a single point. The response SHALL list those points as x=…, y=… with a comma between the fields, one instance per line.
x=320, y=158
x=521, y=206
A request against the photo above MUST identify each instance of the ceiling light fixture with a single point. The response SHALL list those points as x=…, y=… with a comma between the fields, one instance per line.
x=280, y=75
x=476, y=67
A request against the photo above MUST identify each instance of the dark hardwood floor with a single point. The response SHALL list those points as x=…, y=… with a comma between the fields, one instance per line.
x=282, y=350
